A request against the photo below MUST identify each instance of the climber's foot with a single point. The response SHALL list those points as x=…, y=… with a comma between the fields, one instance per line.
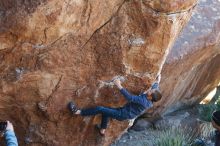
x=101, y=131
x=73, y=108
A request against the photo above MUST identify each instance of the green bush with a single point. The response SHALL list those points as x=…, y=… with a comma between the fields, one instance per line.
x=218, y=104
x=174, y=137
x=206, y=110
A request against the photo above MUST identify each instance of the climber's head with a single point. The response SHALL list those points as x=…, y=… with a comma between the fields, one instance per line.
x=154, y=95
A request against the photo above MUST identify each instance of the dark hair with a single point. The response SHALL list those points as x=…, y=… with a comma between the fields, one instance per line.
x=156, y=96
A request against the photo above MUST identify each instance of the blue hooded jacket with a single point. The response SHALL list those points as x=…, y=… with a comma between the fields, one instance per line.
x=137, y=104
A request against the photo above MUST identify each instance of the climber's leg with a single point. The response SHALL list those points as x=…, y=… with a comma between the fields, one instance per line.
x=110, y=112
x=106, y=114
x=105, y=111
x=104, y=121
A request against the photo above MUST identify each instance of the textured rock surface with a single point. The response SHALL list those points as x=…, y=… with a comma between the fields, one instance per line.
x=192, y=68
x=170, y=6
x=55, y=51
x=142, y=124
x=186, y=120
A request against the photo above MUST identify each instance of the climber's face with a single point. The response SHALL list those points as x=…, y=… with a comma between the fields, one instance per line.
x=149, y=94
x=149, y=97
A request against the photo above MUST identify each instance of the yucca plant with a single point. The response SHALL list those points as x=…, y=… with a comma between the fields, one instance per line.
x=207, y=130
x=177, y=136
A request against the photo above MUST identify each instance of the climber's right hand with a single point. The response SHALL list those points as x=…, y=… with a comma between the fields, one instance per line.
x=117, y=82
x=158, y=78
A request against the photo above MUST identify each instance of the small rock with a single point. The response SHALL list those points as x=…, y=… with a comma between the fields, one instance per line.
x=42, y=106
x=141, y=125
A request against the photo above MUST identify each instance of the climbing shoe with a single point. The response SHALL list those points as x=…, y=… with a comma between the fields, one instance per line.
x=98, y=127
x=72, y=107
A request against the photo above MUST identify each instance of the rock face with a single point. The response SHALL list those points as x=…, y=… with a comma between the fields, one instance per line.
x=56, y=51
x=192, y=68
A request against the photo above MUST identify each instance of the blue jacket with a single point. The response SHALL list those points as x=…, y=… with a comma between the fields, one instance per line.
x=137, y=104
x=10, y=138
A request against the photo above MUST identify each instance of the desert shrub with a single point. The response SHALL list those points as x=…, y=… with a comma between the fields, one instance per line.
x=206, y=110
x=174, y=137
x=207, y=131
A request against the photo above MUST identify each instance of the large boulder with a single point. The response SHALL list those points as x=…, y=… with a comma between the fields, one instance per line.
x=192, y=67
x=56, y=51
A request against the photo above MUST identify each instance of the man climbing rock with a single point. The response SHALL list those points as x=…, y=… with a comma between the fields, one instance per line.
x=135, y=106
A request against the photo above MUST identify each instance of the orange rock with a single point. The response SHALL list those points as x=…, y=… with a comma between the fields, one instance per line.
x=55, y=51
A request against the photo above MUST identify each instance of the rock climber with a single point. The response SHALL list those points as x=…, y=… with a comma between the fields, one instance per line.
x=135, y=106
x=7, y=131
x=216, y=125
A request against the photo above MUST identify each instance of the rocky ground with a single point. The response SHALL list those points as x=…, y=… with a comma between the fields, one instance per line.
x=145, y=133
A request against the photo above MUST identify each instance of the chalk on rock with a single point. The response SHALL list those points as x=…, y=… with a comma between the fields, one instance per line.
x=19, y=72
x=121, y=78
x=42, y=106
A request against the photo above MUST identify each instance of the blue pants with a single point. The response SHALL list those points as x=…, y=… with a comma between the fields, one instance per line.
x=106, y=112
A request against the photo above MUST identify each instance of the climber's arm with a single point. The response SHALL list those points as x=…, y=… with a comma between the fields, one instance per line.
x=130, y=97
x=126, y=94
x=155, y=84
